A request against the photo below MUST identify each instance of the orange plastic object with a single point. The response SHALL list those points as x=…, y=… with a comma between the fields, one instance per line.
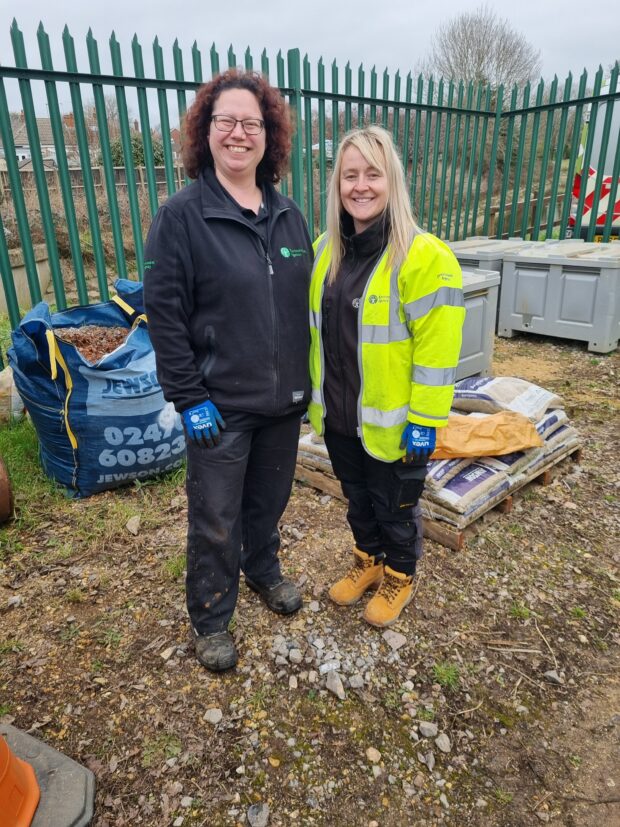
x=19, y=789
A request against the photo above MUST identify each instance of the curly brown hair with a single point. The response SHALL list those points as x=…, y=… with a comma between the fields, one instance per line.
x=196, y=152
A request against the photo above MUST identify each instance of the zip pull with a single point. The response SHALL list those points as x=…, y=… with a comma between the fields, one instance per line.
x=269, y=264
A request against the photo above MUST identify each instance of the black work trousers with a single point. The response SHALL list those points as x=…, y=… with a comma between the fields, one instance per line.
x=236, y=494
x=383, y=499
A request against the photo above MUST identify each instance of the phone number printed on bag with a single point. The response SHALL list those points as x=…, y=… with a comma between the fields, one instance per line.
x=132, y=447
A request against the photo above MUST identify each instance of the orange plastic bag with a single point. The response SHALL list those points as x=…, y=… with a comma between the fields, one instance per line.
x=485, y=436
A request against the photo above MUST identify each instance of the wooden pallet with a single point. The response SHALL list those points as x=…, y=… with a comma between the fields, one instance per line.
x=455, y=537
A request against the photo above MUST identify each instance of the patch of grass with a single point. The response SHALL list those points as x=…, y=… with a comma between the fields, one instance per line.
x=97, y=666
x=111, y=638
x=159, y=749
x=75, y=596
x=446, y=674
x=595, y=362
x=69, y=633
x=575, y=760
x=232, y=623
x=520, y=611
x=502, y=797
x=426, y=715
x=175, y=566
x=391, y=699
x=578, y=613
x=616, y=595
x=10, y=645
x=4, y=709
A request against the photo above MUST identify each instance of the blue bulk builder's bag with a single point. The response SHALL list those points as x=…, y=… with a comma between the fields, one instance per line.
x=99, y=425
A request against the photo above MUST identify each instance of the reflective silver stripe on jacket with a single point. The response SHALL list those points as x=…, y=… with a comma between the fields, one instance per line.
x=379, y=334
x=436, y=377
x=384, y=419
x=444, y=297
x=427, y=416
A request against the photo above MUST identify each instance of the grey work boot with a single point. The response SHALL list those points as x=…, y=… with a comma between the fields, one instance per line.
x=282, y=597
x=216, y=651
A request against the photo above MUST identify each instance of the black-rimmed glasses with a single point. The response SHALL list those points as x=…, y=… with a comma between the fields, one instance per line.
x=251, y=126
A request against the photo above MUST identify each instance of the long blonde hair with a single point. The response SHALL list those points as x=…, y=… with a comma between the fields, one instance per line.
x=377, y=148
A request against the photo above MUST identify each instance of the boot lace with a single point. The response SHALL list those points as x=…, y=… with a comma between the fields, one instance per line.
x=358, y=569
x=390, y=587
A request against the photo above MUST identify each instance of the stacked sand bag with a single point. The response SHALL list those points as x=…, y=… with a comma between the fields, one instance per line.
x=460, y=489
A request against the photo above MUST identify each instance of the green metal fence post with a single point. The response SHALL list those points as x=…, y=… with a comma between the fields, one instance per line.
x=532, y=163
x=544, y=163
x=145, y=126
x=162, y=101
x=600, y=173
x=106, y=156
x=493, y=159
x=573, y=156
x=516, y=189
x=559, y=150
x=62, y=166
x=309, y=158
x=36, y=156
x=585, y=166
x=295, y=98
x=19, y=203
x=322, y=153
x=130, y=172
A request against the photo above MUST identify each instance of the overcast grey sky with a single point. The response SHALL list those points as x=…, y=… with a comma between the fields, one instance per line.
x=386, y=33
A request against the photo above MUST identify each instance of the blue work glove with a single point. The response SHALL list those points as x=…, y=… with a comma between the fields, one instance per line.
x=201, y=424
x=419, y=442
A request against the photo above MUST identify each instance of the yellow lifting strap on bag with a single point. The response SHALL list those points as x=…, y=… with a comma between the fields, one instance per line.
x=489, y=435
x=56, y=359
x=129, y=310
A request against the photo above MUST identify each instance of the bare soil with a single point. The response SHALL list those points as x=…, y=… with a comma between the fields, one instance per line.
x=512, y=650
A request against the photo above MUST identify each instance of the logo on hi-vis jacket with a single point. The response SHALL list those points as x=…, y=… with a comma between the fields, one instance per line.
x=378, y=299
x=287, y=252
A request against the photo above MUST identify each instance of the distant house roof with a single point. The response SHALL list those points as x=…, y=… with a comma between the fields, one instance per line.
x=44, y=128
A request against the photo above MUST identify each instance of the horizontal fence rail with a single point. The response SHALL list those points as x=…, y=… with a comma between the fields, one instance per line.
x=82, y=180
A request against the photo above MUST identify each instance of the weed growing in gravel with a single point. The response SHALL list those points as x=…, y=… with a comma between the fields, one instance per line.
x=575, y=760
x=111, y=638
x=69, y=633
x=616, y=595
x=75, y=596
x=4, y=709
x=426, y=715
x=159, y=749
x=502, y=796
x=578, y=613
x=10, y=644
x=446, y=674
x=520, y=611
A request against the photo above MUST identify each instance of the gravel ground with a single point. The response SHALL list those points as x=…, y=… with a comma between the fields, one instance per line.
x=495, y=700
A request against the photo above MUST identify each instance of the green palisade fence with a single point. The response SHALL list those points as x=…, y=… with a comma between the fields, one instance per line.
x=478, y=160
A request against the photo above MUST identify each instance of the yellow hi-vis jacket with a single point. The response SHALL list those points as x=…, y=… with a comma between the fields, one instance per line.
x=409, y=341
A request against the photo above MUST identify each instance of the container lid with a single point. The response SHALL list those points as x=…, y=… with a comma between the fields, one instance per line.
x=567, y=250
x=479, y=280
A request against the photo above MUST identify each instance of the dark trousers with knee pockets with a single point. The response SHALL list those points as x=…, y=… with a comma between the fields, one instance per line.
x=236, y=494
x=383, y=511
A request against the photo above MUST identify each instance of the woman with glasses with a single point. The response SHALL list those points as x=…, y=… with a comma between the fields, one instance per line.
x=387, y=311
x=227, y=268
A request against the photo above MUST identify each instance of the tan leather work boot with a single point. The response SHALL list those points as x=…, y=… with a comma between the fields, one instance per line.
x=364, y=574
x=395, y=592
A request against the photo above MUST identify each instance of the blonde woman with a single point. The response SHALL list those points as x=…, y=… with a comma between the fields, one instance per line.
x=386, y=313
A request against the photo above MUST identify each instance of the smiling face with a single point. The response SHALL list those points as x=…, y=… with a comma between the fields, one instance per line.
x=236, y=154
x=363, y=189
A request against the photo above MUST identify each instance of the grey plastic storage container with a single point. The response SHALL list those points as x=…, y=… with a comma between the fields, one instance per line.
x=480, y=292
x=569, y=290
